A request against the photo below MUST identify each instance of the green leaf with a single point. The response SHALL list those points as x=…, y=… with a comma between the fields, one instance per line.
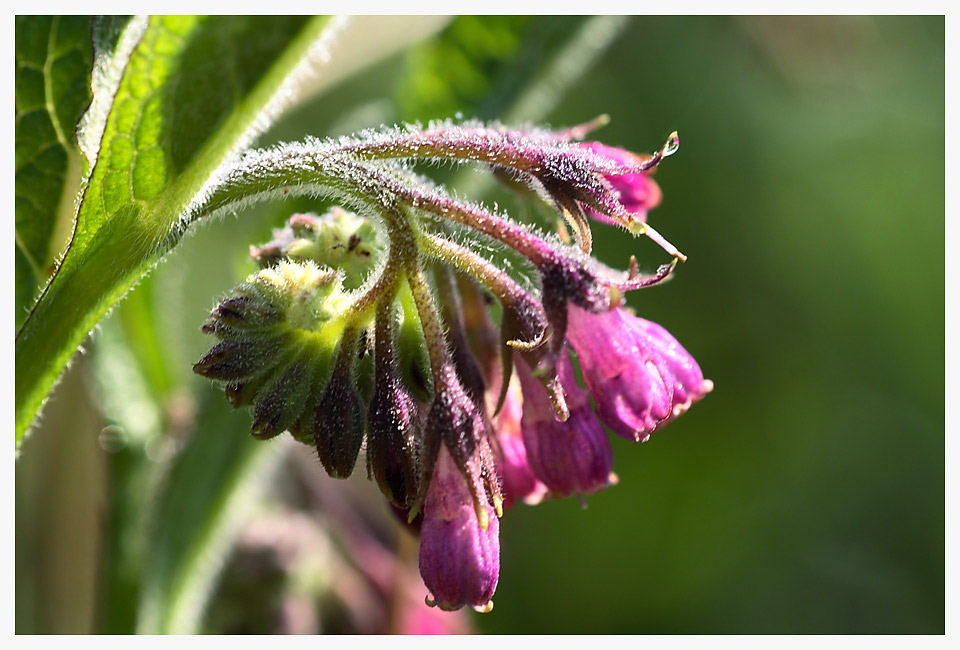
x=190, y=92
x=52, y=89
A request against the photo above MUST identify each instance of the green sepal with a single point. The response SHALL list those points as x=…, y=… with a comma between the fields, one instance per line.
x=413, y=359
x=281, y=402
x=278, y=331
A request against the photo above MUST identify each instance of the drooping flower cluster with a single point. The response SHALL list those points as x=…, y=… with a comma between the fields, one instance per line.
x=372, y=331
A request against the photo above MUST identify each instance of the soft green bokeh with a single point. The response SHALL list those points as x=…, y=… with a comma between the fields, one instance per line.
x=806, y=494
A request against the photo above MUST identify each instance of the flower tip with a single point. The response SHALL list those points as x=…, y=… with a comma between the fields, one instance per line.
x=705, y=387
x=671, y=145
x=433, y=602
x=482, y=517
x=414, y=510
x=537, y=496
x=613, y=479
x=484, y=609
x=430, y=601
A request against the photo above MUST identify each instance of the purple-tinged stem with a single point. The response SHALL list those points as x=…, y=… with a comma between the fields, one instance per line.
x=501, y=285
x=518, y=149
x=535, y=249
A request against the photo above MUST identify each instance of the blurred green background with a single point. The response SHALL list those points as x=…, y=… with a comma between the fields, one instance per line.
x=804, y=495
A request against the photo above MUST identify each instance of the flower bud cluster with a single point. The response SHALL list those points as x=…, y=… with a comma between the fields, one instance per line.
x=378, y=332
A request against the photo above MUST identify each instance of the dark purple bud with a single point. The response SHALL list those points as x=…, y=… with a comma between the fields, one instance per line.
x=274, y=353
x=638, y=374
x=393, y=440
x=568, y=457
x=338, y=416
x=394, y=425
x=460, y=424
x=243, y=313
x=233, y=360
x=459, y=553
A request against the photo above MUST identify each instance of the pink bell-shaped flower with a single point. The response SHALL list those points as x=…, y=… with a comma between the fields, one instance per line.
x=572, y=456
x=639, y=375
x=459, y=559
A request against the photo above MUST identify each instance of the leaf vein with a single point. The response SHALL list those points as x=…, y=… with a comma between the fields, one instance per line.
x=48, y=84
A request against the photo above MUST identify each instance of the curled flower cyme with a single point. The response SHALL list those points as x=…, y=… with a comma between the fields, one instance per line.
x=385, y=334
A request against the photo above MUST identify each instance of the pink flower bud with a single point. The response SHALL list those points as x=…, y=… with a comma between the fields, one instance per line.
x=569, y=457
x=459, y=559
x=519, y=482
x=638, y=374
x=638, y=193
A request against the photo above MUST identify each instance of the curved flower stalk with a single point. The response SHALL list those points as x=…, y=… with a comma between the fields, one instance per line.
x=370, y=329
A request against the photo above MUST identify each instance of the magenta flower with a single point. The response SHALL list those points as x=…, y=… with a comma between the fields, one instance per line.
x=459, y=560
x=639, y=375
x=518, y=480
x=638, y=193
x=571, y=457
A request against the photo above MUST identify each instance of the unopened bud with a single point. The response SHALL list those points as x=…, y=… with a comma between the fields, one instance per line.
x=277, y=336
x=338, y=416
x=394, y=425
x=337, y=239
